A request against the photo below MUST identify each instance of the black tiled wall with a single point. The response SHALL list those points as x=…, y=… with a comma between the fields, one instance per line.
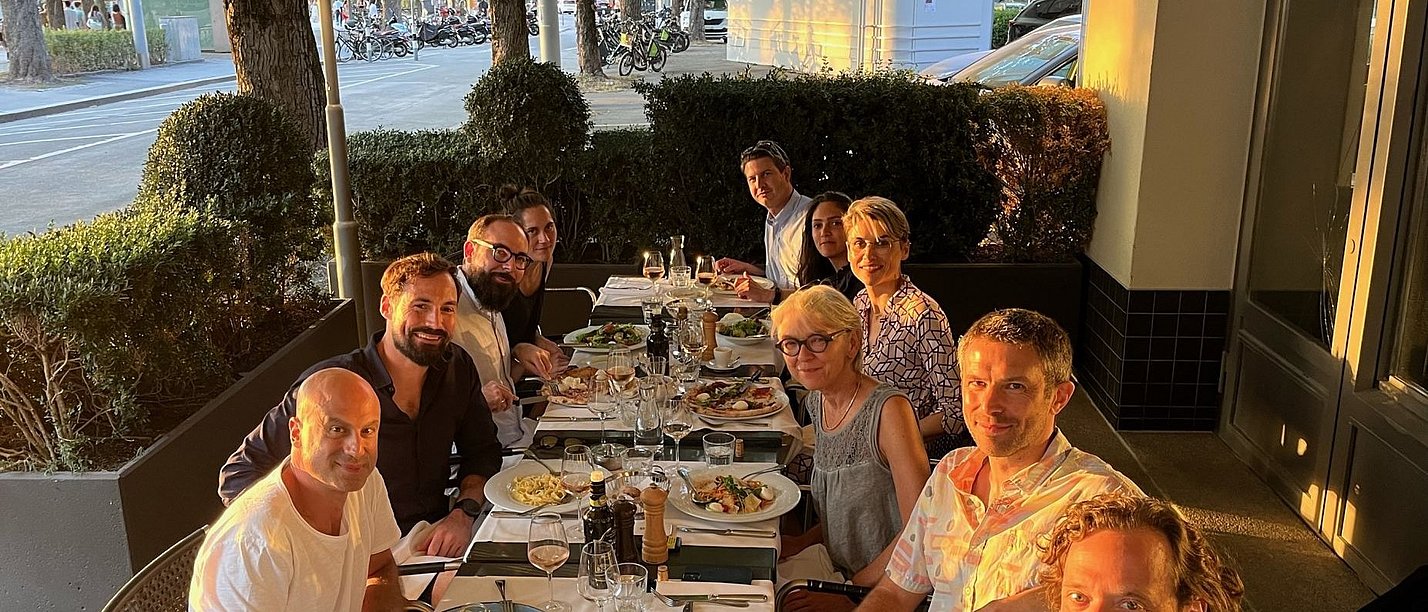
x=1151, y=358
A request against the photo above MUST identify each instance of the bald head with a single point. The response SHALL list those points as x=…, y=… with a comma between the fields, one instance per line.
x=334, y=432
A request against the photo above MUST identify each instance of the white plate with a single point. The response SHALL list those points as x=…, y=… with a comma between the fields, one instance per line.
x=761, y=282
x=498, y=489
x=733, y=365
x=570, y=338
x=780, y=397
x=732, y=318
x=786, y=498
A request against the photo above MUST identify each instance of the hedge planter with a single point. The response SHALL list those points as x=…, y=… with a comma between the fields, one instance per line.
x=72, y=539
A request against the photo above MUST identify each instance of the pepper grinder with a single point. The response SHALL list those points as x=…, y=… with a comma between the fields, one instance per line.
x=655, y=547
x=710, y=320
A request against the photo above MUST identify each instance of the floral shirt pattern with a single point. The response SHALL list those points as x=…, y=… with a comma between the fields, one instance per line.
x=969, y=554
x=916, y=352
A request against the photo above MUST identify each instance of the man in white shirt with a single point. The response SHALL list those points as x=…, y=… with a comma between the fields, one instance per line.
x=495, y=260
x=770, y=178
x=315, y=533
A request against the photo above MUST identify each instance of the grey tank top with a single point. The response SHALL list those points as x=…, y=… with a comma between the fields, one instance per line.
x=852, y=486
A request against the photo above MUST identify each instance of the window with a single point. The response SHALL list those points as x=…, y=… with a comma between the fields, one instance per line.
x=1051, y=9
x=1410, y=352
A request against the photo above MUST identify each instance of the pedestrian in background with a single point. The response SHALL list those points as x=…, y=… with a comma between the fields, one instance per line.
x=117, y=17
x=73, y=17
x=96, y=18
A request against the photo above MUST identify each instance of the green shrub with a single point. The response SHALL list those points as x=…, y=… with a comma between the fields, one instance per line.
x=74, y=51
x=1046, y=144
x=865, y=134
x=100, y=320
x=1001, y=18
x=610, y=205
x=239, y=158
x=411, y=191
x=529, y=120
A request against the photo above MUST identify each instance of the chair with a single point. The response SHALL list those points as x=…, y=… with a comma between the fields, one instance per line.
x=851, y=591
x=566, y=310
x=163, y=584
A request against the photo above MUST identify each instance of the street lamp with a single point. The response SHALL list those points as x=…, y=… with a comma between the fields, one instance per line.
x=344, y=228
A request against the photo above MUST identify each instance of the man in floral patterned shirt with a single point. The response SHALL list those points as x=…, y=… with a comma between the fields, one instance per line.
x=972, y=539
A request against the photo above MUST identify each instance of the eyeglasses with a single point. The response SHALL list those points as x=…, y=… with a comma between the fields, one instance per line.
x=816, y=343
x=502, y=254
x=881, y=245
x=766, y=147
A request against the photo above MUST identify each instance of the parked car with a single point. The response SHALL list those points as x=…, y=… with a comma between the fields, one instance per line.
x=716, y=20
x=1047, y=55
x=568, y=6
x=1040, y=13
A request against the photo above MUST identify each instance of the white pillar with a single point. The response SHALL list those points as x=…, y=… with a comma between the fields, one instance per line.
x=136, y=27
x=549, y=18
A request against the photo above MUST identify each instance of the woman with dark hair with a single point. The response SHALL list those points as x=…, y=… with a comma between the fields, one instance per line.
x=533, y=212
x=825, y=246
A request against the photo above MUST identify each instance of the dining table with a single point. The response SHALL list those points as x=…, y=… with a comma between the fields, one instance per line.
x=705, y=550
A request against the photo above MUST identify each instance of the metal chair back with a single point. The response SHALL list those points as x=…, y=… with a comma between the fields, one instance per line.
x=162, y=586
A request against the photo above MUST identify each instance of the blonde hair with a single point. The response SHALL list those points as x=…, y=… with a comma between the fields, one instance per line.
x=1200, y=574
x=824, y=307
x=879, y=213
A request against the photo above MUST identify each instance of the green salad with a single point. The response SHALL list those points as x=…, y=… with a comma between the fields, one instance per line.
x=612, y=333
x=745, y=328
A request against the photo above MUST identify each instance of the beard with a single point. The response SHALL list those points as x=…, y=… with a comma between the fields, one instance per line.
x=490, y=292
x=422, y=355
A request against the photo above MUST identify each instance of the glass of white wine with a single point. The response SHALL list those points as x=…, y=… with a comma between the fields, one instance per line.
x=677, y=423
x=621, y=369
x=548, y=549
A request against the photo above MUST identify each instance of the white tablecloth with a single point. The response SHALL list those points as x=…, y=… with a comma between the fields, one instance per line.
x=627, y=291
x=782, y=420
x=533, y=591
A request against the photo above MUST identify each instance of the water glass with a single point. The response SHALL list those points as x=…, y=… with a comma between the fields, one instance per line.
x=648, y=424
x=651, y=304
x=638, y=463
x=596, y=558
x=679, y=276
x=658, y=366
x=628, y=581
x=718, y=448
x=609, y=456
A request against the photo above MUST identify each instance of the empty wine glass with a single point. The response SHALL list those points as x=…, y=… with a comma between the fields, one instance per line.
x=653, y=267
x=677, y=423
x=601, y=402
x=548, y=549
x=596, y=558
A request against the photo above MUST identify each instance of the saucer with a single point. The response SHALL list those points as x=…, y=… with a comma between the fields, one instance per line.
x=733, y=365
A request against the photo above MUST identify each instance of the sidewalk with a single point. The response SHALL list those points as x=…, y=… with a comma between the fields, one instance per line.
x=74, y=92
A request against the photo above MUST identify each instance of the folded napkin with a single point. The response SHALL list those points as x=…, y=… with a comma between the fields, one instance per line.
x=534, y=591
x=408, y=550
x=518, y=530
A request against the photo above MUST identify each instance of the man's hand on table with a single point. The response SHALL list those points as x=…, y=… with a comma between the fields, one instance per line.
x=733, y=266
x=499, y=398
x=450, y=536
x=535, y=360
x=747, y=289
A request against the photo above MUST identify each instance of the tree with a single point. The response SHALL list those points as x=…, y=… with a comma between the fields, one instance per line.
x=510, y=40
x=54, y=14
x=630, y=11
x=587, y=44
x=696, y=21
x=275, y=58
x=25, y=42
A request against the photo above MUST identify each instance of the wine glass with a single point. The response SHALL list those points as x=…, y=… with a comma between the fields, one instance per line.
x=628, y=582
x=548, y=549
x=704, y=273
x=621, y=368
x=653, y=267
x=575, y=469
x=600, y=402
x=649, y=421
x=677, y=423
x=596, y=558
x=692, y=341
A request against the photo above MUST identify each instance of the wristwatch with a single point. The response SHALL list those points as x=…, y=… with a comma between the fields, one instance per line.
x=471, y=507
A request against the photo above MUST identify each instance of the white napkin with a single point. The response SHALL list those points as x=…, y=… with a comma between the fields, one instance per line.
x=407, y=550
x=533, y=590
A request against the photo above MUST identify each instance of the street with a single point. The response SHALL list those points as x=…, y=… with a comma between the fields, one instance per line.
x=73, y=165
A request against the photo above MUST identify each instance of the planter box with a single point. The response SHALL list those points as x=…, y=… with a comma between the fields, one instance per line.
x=72, y=539
x=371, y=291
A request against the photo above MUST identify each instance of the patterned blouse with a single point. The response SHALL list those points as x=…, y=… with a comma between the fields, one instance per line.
x=916, y=352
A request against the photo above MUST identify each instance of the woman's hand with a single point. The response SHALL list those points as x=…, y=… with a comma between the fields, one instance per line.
x=747, y=289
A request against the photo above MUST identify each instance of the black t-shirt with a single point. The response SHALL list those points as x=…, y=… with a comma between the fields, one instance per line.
x=522, y=315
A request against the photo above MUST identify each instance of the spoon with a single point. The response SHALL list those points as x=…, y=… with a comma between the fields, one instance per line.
x=530, y=453
x=505, y=601
x=694, y=494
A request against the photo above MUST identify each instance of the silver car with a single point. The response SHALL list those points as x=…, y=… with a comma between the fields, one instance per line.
x=1047, y=55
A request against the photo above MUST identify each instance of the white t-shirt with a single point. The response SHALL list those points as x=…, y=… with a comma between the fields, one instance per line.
x=262, y=555
x=482, y=333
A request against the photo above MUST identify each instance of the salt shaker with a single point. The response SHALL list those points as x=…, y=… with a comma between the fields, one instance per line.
x=656, y=542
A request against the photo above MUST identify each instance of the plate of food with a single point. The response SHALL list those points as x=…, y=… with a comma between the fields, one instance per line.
x=572, y=387
x=599, y=338
x=721, y=494
x=739, y=330
x=724, y=283
x=527, y=485
x=735, y=399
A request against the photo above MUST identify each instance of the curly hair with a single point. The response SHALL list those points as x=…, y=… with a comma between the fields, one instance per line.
x=1200, y=573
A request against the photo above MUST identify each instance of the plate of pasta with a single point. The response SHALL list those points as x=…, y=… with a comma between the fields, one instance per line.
x=726, y=497
x=527, y=485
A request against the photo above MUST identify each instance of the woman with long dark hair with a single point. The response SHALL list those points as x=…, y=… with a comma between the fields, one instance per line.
x=534, y=213
x=825, y=246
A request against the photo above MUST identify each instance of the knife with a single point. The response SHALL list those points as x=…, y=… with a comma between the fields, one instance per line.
x=758, y=597
x=752, y=533
x=570, y=419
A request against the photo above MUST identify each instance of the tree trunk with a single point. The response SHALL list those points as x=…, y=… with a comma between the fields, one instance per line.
x=25, y=42
x=54, y=14
x=275, y=58
x=510, y=40
x=630, y=11
x=696, y=21
x=587, y=44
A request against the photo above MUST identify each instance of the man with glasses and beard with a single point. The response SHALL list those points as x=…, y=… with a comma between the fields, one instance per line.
x=431, y=398
x=495, y=261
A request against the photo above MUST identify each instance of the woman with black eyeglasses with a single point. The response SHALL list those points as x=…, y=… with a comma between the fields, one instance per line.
x=909, y=343
x=824, y=259
x=868, y=468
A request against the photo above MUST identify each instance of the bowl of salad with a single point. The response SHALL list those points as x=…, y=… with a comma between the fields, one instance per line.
x=740, y=330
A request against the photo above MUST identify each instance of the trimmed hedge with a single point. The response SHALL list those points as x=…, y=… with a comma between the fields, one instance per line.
x=530, y=120
x=99, y=315
x=1001, y=19
x=74, y=51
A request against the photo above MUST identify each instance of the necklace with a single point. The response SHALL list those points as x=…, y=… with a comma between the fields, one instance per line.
x=848, y=409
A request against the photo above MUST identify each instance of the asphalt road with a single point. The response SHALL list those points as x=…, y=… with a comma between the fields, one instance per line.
x=72, y=166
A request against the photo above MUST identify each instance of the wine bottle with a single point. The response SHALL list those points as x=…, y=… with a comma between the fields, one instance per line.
x=598, y=521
